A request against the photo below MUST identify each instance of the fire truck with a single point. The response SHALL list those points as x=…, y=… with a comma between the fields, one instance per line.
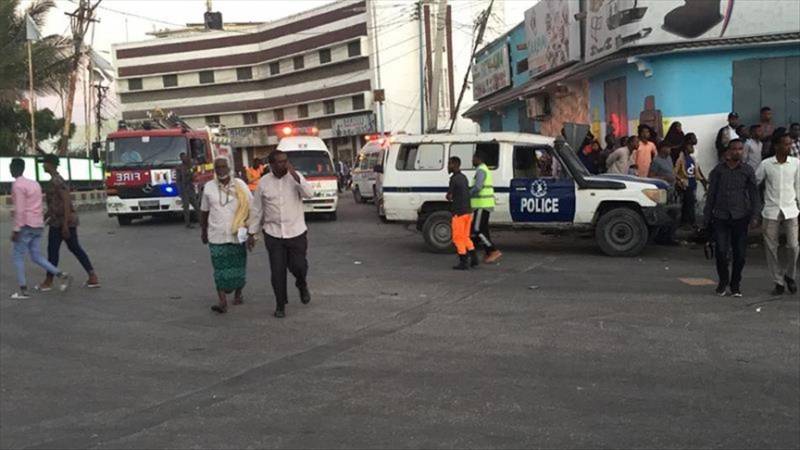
x=141, y=159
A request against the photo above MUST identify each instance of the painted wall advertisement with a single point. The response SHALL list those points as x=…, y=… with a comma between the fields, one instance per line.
x=248, y=136
x=615, y=24
x=491, y=72
x=553, y=35
x=354, y=125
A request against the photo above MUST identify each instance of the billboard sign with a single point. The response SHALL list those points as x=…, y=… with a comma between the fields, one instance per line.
x=553, y=34
x=615, y=24
x=354, y=125
x=491, y=72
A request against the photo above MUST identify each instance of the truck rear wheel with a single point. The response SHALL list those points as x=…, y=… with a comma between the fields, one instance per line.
x=124, y=220
x=621, y=232
x=437, y=233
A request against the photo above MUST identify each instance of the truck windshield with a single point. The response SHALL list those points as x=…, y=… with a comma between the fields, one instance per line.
x=145, y=150
x=312, y=163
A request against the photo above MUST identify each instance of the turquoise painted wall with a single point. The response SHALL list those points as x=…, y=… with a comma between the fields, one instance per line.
x=683, y=84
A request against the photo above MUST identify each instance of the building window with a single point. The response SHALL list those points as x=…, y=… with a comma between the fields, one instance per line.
x=170, y=80
x=278, y=115
x=358, y=101
x=206, y=76
x=302, y=111
x=135, y=84
x=522, y=66
x=495, y=122
x=325, y=56
x=299, y=62
x=274, y=68
x=244, y=73
x=330, y=107
x=250, y=118
x=212, y=120
x=354, y=49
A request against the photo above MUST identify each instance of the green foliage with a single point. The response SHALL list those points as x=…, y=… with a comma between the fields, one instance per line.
x=15, y=126
x=51, y=55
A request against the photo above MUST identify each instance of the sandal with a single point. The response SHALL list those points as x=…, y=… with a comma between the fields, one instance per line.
x=238, y=301
x=39, y=288
x=219, y=309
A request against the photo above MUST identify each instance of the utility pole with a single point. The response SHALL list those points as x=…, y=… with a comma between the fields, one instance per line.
x=98, y=108
x=481, y=29
x=377, y=66
x=421, y=70
x=438, y=73
x=80, y=20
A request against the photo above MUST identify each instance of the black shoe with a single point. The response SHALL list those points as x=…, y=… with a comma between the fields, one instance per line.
x=721, y=290
x=791, y=285
x=463, y=263
x=280, y=313
x=305, y=295
x=736, y=292
x=473, y=258
x=778, y=290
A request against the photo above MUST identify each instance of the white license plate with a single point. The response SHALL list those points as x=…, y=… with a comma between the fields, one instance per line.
x=148, y=204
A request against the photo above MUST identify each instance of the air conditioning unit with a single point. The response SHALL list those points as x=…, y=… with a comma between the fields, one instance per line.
x=538, y=106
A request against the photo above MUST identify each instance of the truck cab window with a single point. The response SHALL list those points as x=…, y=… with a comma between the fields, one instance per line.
x=198, y=147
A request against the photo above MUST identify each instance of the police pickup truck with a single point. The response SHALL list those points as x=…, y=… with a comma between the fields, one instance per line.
x=539, y=183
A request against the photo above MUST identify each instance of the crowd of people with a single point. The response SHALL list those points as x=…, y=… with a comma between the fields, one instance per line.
x=755, y=183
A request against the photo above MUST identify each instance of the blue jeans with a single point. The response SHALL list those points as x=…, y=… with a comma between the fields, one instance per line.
x=54, y=239
x=28, y=242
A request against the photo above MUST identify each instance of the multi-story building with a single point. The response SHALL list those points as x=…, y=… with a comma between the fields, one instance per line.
x=322, y=68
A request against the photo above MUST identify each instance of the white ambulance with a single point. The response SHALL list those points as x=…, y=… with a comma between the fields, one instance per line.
x=364, y=175
x=539, y=183
x=310, y=156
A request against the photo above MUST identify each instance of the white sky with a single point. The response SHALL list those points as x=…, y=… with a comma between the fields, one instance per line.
x=130, y=20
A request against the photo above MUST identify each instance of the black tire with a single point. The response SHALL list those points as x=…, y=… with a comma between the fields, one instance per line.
x=124, y=220
x=357, y=196
x=621, y=232
x=381, y=211
x=437, y=233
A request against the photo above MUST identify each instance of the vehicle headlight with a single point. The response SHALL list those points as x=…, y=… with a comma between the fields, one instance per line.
x=657, y=195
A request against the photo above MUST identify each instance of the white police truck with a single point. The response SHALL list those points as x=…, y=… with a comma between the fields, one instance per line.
x=539, y=183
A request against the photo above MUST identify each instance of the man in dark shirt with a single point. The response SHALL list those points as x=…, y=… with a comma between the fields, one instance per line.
x=184, y=176
x=459, y=198
x=733, y=203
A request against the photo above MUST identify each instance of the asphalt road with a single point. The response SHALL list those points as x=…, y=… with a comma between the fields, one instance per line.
x=557, y=346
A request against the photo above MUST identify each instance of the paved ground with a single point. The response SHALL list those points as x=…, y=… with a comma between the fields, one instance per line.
x=558, y=346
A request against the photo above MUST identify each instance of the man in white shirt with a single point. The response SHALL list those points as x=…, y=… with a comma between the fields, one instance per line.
x=752, y=147
x=726, y=134
x=781, y=175
x=277, y=210
x=618, y=162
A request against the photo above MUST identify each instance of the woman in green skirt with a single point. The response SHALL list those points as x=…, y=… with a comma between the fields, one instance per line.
x=223, y=214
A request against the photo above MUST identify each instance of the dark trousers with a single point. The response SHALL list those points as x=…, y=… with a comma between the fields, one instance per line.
x=54, y=239
x=189, y=197
x=286, y=254
x=689, y=200
x=480, y=230
x=730, y=237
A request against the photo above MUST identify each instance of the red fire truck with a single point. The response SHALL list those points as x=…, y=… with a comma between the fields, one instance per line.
x=140, y=164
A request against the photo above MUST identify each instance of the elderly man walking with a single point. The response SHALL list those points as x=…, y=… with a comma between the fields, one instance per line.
x=277, y=211
x=781, y=176
x=224, y=208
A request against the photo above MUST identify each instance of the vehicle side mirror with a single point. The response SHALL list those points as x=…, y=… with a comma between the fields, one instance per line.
x=95, y=152
x=378, y=168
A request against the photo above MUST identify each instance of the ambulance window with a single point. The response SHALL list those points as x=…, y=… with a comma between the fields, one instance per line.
x=421, y=157
x=465, y=151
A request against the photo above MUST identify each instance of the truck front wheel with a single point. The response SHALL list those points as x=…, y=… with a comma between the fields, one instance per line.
x=436, y=232
x=621, y=232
